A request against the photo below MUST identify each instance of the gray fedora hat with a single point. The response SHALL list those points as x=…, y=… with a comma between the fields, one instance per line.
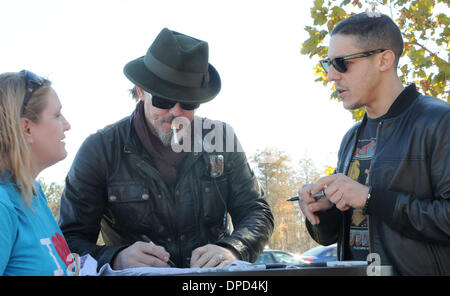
x=176, y=67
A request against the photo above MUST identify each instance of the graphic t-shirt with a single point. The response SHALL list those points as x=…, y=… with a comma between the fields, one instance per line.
x=359, y=171
x=31, y=242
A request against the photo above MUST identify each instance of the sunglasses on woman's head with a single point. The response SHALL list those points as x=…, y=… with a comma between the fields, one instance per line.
x=32, y=83
x=163, y=103
x=340, y=63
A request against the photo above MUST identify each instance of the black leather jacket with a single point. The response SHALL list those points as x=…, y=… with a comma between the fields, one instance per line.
x=409, y=211
x=113, y=186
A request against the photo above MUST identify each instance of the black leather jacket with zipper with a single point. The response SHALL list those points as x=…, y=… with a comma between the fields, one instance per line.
x=113, y=186
x=409, y=209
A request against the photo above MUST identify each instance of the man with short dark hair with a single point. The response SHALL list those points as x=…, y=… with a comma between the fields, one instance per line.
x=390, y=192
x=162, y=184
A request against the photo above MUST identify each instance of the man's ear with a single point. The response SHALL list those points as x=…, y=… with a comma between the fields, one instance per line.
x=387, y=60
x=141, y=93
x=26, y=125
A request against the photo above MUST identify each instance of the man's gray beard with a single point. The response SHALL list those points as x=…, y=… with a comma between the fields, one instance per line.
x=165, y=138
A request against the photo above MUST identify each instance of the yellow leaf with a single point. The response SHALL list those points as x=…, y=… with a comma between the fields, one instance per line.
x=329, y=170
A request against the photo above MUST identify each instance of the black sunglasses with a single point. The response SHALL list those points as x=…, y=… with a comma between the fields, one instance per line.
x=33, y=82
x=340, y=63
x=162, y=103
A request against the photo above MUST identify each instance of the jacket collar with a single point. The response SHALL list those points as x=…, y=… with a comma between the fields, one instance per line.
x=403, y=101
x=130, y=145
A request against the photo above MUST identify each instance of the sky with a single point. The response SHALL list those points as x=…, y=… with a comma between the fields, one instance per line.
x=268, y=92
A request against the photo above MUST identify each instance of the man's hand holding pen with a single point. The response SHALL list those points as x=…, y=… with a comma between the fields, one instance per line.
x=142, y=254
x=309, y=205
x=338, y=189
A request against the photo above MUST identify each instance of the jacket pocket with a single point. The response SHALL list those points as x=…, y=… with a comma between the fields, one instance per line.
x=128, y=203
x=214, y=199
x=408, y=174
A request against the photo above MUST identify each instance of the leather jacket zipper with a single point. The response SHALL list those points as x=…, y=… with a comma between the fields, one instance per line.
x=345, y=171
x=377, y=135
x=346, y=166
x=175, y=233
x=185, y=261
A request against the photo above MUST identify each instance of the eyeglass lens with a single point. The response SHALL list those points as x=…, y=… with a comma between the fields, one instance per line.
x=163, y=103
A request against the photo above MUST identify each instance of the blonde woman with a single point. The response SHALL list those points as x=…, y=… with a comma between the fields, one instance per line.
x=31, y=133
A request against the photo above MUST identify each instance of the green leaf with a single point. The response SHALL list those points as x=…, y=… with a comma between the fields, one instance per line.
x=318, y=4
x=319, y=18
x=338, y=11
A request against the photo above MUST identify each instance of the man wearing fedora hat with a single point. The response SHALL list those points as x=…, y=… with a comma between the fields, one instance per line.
x=156, y=205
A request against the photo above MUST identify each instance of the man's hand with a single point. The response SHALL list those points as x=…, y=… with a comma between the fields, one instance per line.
x=309, y=205
x=339, y=189
x=211, y=256
x=141, y=254
x=343, y=191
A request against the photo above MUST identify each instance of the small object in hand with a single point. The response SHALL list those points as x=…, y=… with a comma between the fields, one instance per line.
x=175, y=135
x=316, y=196
x=148, y=240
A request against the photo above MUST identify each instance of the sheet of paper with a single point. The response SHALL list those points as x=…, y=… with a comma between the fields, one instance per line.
x=89, y=268
x=346, y=263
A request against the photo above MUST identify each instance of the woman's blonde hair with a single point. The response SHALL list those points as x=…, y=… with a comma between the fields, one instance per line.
x=15, y=153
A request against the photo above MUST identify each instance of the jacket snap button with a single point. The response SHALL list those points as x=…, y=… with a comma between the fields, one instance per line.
x=207, y=189
x=145, y=196
x=160, y=196
x=182, y=237
x=112, y=198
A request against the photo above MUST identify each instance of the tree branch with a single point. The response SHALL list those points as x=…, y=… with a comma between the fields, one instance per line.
x=429, y=51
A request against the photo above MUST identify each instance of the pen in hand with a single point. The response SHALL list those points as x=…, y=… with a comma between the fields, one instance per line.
x=316, y=196
x=148, y=240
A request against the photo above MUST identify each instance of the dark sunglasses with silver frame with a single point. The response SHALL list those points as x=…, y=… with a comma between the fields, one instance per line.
x=163, y=103
x=340, y=63
x=32, y=83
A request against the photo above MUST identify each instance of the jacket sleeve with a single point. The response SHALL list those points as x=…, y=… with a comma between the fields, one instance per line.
x=83, y=202
x=424, y=218
x=251, y=215
x=327, y=231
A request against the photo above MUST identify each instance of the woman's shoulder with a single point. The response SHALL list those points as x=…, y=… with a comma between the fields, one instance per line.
x=7, y=192
x=8, y=197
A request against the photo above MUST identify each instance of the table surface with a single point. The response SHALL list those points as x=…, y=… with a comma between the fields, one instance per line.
x=303, y=271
